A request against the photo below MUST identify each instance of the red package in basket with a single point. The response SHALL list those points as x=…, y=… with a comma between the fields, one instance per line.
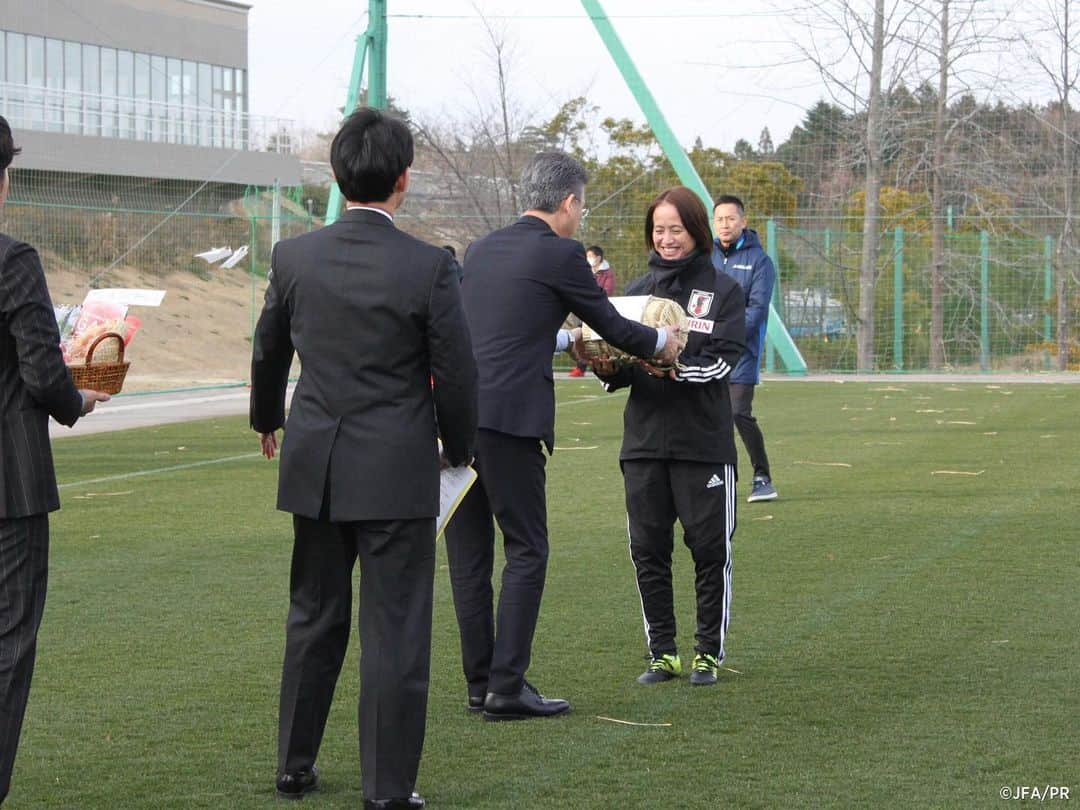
x=96, y=312
x=96, y=318
x=133, y=325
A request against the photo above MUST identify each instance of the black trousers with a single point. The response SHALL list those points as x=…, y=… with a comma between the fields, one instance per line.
x=742, y=402
x=24, y=574
x=702, y=497
x=397, y=575
x=496, y=650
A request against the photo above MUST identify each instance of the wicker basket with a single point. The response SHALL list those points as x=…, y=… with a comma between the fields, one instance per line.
x=108, y=376
x=657, y=312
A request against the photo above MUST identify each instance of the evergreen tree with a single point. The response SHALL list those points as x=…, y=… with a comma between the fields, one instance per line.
x=765, y=144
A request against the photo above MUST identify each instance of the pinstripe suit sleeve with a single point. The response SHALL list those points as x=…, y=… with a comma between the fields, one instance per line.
x=271, y=357
x=27, y=309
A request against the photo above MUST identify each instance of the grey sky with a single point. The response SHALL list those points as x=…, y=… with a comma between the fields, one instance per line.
x=301, y=53
x=721, y=71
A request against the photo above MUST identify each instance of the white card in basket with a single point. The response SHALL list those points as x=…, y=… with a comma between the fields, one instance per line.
x=631, y=307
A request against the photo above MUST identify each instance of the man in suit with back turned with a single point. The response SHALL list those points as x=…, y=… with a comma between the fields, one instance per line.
x=34, y=385
x=374, y=315
x=520, y=283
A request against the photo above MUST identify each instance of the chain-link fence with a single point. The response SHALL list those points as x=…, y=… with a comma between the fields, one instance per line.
x=999, y=303
x=998, y=299
x=95, y=232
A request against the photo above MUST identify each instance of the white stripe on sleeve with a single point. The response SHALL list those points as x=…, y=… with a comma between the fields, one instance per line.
x=702, y=374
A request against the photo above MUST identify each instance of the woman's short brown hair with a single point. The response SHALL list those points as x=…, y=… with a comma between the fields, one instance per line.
x=692, y=213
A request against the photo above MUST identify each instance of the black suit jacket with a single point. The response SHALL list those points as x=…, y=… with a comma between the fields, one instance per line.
x=519, y=284
x=34, y=384
x=373, y=314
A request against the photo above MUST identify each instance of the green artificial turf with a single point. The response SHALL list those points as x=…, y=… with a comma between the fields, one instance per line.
x=901, y=635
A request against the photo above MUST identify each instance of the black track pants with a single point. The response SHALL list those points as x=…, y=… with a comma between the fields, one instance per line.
x=702, y=497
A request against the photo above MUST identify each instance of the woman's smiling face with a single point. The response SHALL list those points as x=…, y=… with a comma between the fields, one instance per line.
x=671, y=240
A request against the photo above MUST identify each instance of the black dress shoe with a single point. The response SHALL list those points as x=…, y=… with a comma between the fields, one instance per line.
x=526, y=704
x=414, y=802
x=476, y=703
x=299, y=783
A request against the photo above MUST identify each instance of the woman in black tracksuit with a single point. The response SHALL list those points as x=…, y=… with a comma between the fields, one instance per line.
x=678, y=451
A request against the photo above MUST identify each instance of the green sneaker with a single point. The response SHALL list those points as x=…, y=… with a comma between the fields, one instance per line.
x=661, y=668
x=704, y=670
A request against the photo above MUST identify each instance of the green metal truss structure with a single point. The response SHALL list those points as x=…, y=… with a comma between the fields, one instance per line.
x=372, y=43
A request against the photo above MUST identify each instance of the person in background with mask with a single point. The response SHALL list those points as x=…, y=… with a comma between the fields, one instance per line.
x=605, y=280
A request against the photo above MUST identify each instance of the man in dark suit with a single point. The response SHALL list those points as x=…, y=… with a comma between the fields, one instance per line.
x=375, y=315
x=34, y=385
x=520, y=283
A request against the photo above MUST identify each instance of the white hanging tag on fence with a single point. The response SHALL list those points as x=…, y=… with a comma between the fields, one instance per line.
x=234, y=260
x=214, y=254
x=131, y=298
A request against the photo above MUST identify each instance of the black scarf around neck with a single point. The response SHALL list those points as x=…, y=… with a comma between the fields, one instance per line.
x=667, y=273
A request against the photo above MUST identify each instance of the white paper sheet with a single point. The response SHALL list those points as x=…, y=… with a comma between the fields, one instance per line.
x=454, y=482
x=631, y=307
x=131, y=298
x=214, y=254
x=234, y=260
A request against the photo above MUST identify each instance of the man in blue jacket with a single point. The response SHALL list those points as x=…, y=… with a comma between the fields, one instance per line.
x=737, y=251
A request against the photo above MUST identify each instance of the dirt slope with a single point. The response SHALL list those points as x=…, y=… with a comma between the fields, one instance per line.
x=200, y=335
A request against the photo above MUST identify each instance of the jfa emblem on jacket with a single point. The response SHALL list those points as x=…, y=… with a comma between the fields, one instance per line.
x=699, y=304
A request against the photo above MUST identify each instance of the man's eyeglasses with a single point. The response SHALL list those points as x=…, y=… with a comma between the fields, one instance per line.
x=580, y=202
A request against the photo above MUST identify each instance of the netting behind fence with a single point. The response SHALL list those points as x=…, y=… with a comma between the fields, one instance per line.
x=95, y=232
x=998, y=311
x=997, y=299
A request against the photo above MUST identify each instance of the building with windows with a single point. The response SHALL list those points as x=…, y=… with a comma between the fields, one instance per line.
x=140, y=89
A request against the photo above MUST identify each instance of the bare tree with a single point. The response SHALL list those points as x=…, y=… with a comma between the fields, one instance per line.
x=477, y=156
x=507, y=135
x=937, y=196
x=960, y=29
x=1052, y=46
x=871, y=235
x=849, y=47
x=465, y=166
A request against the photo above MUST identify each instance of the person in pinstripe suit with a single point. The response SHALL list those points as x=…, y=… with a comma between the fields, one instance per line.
x=34, y=385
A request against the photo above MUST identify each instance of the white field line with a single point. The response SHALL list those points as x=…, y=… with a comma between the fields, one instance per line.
x=175, y=468
x=195, y=464
x=246, y=395
x=595, y=398
x=176, y=403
